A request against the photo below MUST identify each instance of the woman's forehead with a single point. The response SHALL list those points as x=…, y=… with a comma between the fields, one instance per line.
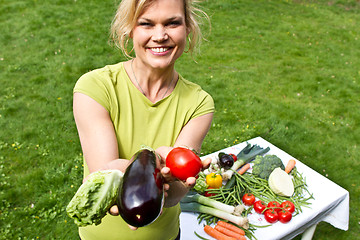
x=163, y=7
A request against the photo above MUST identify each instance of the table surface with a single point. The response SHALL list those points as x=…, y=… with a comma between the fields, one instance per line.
x=330, y=203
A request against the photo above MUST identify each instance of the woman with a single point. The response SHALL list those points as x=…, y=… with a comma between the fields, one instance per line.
x=143, y=101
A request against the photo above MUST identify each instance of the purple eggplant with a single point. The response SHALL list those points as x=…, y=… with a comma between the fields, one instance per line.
x=225, y=160
x=141, y=194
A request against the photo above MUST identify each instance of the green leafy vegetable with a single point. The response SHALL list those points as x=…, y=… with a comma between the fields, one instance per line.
x=94, y=197
x=263, y=166
x=201, y=184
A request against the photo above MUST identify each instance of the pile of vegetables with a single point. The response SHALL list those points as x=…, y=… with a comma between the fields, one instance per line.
x=274, y=191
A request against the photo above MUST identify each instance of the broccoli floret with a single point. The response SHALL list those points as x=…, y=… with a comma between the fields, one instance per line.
x=263, y=166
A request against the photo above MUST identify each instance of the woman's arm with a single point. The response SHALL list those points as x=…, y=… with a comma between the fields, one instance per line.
x=194, y=132
x=97, y=135
x=191, y=136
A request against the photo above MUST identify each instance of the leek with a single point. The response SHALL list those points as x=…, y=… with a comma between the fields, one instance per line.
x=208, y=202
x=199, y=208
x=194, y=202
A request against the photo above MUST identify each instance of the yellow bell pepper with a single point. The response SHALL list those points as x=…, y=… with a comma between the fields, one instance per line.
x=214, y=180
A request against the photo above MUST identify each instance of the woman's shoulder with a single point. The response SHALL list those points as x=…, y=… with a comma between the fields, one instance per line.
x=190, y=87
x=106, y=72
x=106, y=77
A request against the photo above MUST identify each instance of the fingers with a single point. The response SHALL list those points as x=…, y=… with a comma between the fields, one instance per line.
x=166, y=188
x=114, y=210
x=165, y=172
x=206, y=162
x=190, y=182
x=132, y=227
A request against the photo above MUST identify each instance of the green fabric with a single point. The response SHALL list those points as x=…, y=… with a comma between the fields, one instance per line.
x=138, y=121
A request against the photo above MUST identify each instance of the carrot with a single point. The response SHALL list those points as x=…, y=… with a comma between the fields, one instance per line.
x=229, y=233
x=290, y=165
x=244, y=169
x=231, y=227
x=216, y=234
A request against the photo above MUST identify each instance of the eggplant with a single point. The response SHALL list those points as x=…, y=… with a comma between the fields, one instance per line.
x=141, y=194
x=225, y=160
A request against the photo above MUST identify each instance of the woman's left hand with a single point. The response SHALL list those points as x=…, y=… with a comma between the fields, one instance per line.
x=175, y=189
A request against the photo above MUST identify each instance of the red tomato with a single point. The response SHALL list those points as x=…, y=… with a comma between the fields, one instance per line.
x=271, y=216
x=288, y=206
x=259, y=206
x=248, y=199
x=183, y=163
x=233, y=156
x=284, y=216
x=274, y=205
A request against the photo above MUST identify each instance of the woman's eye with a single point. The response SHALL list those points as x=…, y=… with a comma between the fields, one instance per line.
x=144, y=24
x=175, y=23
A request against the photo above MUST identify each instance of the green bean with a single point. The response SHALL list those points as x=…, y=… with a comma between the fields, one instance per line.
x=200, y=236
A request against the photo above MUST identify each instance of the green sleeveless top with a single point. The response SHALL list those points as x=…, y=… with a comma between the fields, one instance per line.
x=137, y=121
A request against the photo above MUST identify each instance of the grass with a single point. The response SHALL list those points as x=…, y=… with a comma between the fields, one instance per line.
x=287, y=71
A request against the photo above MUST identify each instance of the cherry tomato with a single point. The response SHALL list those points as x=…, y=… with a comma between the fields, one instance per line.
x=207, y=194
x=183, y=163
x=248, y=199
x=284, y=216
x=271, y=216
x=214, y=180
x=274, y=205
x=259, y=206
x=233, y=156
x=288, y=205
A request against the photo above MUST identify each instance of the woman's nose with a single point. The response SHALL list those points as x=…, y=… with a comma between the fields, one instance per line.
x=160, y=34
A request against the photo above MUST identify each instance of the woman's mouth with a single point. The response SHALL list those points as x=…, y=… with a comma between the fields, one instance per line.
x=160, y=50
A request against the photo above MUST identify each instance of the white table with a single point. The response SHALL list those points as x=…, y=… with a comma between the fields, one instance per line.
x=330, y=204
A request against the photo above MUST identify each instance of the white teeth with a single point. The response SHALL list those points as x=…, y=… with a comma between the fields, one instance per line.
x=159, y=50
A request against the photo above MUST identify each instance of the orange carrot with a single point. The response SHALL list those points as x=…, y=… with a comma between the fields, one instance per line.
x=244, y=169
x=229, y=233
x=290, y=165
x=216, y=234
x=231, y=227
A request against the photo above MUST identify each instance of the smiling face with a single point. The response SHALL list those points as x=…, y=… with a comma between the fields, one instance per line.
x=160, y=33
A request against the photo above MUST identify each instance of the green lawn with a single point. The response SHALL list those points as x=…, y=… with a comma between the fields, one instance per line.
x=288, y=71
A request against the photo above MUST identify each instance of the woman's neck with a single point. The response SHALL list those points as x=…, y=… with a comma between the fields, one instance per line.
x=155, y=84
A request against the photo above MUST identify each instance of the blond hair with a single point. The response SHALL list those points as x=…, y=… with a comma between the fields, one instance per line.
x=130, y=10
